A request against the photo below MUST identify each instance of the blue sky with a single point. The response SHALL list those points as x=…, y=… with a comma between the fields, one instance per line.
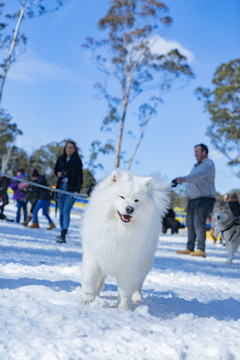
x=49, y=90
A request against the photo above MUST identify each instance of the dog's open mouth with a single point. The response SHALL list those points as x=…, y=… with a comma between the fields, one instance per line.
x=125, y=218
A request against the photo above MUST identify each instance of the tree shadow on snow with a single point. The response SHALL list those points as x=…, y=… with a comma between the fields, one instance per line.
x=62, y=285
x=206, y=266
x=31, y=256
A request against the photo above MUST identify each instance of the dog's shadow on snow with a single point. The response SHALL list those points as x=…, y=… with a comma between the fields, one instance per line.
x=168, y=306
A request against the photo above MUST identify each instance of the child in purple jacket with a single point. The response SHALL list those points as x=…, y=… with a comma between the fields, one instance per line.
x=19, y=196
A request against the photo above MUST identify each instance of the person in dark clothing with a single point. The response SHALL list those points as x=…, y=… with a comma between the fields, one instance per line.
x=43, y=203
x=19, y=195
x=234, y=204
x=4, y=184
x=68, y=169
x=169, y=222
x=32, y=195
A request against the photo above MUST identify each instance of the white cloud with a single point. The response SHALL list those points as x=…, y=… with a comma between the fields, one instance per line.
x=161, y=46
x=32, y=69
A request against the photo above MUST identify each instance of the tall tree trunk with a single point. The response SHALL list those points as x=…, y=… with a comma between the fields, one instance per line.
x=143, y=129
x=24, y=6
x=126, y=98
x=5, y=159
x=117, y=164
x=13, y=43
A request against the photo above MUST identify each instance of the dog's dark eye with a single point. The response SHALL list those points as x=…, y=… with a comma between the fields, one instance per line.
x=122, y=197
x=136, y=200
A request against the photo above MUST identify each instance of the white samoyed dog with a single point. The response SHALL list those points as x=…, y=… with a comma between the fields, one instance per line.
x=120, y=231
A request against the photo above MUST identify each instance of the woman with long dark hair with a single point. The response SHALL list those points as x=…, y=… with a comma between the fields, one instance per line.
x=68, y=169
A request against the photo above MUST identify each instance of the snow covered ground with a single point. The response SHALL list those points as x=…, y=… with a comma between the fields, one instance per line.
x=190, y=308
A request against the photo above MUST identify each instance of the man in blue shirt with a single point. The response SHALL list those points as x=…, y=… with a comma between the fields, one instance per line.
x=201, y=196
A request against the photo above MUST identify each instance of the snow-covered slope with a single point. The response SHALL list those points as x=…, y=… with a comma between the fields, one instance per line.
x=190, y=310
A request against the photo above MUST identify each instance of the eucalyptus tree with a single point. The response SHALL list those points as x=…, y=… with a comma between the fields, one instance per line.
x=44, y=159
x=19, y=160
x=222, y=103
x=98, y=148
x=127, y=56
x=8, y=133
x=10, y=35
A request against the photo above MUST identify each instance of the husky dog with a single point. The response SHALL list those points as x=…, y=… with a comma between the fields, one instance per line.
x=229, y=228
x=120, y=231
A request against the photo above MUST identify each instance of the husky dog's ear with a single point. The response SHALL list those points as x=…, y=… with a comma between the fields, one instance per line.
x=227, y=206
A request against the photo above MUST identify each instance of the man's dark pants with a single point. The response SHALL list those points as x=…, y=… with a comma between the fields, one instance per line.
x=198, y=211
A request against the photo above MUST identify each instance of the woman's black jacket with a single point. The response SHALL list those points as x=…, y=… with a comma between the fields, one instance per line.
x=43, y=194
x=71, y=169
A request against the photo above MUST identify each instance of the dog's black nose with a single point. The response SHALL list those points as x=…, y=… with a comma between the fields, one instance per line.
x=129, y=209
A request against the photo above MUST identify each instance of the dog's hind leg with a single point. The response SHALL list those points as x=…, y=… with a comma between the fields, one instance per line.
x=232, y=248
x=124, y=299
x=137, y=296
x=92, y=278
x=126, y=287
x=101, y=284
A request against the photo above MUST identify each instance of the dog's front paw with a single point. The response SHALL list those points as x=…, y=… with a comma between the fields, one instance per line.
x=229, y=262
x=124, y=304
x=87, y=298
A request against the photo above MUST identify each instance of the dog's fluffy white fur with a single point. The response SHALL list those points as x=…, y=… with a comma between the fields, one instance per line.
x=229, y=228
x=120, y=231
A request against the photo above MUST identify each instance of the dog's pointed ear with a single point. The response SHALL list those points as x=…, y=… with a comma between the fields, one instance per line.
x=148, y=183
x=115, y=176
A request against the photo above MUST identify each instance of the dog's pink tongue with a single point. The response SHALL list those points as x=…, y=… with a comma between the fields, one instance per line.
x=126, y=218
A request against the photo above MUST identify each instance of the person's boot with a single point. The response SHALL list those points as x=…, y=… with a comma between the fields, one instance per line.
x=34, y=225
x=199, y=253
x=62, y=238
x=28, y=219
x=185, y=252
x=51, y=226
